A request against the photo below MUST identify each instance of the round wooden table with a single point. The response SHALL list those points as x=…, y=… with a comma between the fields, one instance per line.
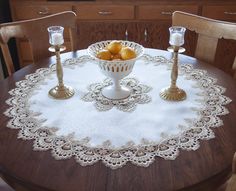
x=203, y=169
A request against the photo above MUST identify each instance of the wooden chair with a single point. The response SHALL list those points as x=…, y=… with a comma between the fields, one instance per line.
x=230, y=185
x=209, y=32
x=4, y=186
x=35, y=30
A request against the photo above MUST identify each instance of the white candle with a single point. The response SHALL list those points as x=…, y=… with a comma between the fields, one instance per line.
x=176, y=39
x=57, y=39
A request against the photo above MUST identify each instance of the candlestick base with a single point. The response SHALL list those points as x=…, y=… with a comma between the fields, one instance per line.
x=61, y=92
x=172, y=49
x=173, y=94
x=61, y=48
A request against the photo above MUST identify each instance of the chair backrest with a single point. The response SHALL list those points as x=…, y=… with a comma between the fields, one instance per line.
x=209, y=32
x=35, y=30
x=231, y=185
x=4, y=186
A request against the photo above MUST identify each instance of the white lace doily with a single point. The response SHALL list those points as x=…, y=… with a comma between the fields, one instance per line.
x=74, y=128
x=138, y=95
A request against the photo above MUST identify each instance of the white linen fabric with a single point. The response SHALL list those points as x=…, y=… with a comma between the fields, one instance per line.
x=77, y=128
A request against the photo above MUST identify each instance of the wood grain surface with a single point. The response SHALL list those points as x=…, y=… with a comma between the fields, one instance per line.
x=203, y=169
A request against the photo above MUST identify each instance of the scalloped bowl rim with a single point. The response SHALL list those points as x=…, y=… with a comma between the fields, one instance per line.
x=115, y=61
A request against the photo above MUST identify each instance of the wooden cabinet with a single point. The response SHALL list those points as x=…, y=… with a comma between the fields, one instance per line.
x=145, y=22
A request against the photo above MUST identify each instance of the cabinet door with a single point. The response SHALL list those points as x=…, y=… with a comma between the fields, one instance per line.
x=149, y=34
x=91, y=32
x=156, y=35
x=153, y=34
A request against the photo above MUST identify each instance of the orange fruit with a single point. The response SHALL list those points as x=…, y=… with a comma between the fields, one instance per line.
x=104, y=55
x=127, y=53
x=114, y=46
x=116, y=57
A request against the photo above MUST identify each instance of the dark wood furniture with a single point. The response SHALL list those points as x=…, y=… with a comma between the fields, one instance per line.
x=203, y=169
x=143, y=21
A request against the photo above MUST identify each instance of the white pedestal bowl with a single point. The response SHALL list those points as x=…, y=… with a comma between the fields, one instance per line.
x=116, y=69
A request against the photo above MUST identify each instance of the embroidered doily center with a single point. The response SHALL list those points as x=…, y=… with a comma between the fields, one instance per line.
x=138, y=95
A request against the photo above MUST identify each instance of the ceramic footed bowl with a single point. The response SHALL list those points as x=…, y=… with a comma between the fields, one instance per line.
x=116, y=69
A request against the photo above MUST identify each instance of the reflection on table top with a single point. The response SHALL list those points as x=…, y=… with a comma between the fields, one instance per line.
x=204, y=168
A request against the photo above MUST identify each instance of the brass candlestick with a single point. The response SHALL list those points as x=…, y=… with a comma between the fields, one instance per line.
x=173, y=93
x=60, y=91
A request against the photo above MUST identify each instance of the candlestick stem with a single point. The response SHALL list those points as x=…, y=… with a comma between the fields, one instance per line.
x=174, y=71
x=61, y=91
x=173, y=93
x=59, y=69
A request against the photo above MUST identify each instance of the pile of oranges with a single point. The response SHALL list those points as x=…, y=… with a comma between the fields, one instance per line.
x=116, y=51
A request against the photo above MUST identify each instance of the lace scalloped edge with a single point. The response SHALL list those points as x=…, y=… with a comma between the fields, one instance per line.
x=213, y=105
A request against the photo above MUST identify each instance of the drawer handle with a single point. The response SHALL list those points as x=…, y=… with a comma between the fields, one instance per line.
x=145, y=35
x=44, y=12
x=229, y=13
x=105, y=13
x=126, y=34
x=166, y=13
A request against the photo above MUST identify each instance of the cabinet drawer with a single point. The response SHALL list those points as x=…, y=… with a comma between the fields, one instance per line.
x=105, y=11
x=164, y=11
x=227, y=13
x=23, y=12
